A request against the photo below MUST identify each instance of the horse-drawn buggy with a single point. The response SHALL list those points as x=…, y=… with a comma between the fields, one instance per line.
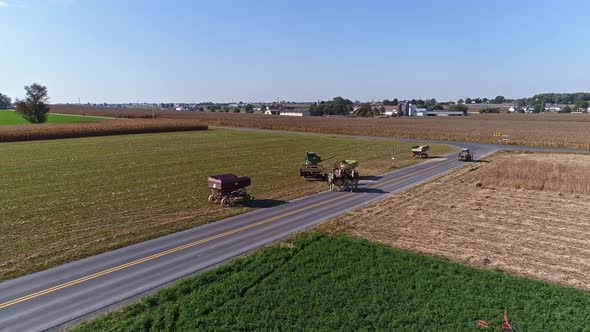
x=344, y=176
x=228, y=189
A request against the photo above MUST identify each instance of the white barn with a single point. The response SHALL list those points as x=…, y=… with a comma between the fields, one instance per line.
x=294, y=113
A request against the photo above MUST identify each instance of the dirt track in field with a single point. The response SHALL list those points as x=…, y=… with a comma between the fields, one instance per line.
x=538, y=234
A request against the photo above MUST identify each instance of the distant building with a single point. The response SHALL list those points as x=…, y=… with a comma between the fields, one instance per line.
x=552, y=108
x=528, y=109
x=390, y=110
x=442, y=113
x=414, y=111
x=294, y=113
x=272, y=112
x=514, y=109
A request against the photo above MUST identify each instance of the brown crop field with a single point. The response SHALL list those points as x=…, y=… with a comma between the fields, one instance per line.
x=46, y=131
x=549, y=130
x=493, y=216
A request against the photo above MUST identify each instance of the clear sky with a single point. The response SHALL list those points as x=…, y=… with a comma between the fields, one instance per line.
x=301, y=50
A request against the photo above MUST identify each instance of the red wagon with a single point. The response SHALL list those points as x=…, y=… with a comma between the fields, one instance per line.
x=228, y=189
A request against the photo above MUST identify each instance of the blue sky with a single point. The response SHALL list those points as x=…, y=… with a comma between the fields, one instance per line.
x=247, y=50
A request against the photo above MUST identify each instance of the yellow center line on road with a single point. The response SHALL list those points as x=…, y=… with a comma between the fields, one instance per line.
x=196, y=243
x=166, y=252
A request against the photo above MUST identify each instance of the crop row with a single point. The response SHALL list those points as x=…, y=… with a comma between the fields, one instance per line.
x=104, y=128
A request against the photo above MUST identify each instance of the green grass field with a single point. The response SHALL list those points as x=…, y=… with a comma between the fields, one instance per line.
x=323, y=283
x=11, y=118
x=71, y=198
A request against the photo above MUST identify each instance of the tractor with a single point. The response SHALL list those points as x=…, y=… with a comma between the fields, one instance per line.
x=311, y=167
x=465, y=155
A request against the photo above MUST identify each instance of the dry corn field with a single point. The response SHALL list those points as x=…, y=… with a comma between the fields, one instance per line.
x=489, y=215
x=549, y=130
x=29, y=132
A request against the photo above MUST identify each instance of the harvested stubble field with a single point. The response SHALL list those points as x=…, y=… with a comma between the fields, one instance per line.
x=549, y=130
x=31, y=132
x=67, y=199
x=526, y=214
x=323, y=283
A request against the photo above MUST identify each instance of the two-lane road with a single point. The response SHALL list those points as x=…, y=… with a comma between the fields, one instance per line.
x=68, y=293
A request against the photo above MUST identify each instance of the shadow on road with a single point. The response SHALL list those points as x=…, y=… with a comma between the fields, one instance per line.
x=264, y=203
x=370, y=178
x=370, y=191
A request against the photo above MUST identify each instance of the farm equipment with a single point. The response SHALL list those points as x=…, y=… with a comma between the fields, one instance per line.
x=420, y=151
x=227, y=189
x=311, y=167
x=465, y=155
x=344, y=176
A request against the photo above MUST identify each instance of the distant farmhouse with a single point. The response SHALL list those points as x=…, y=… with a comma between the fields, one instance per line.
x=288, y=112
x=294, y=113
x=529, y=109
x=406, y=109
x=552, y=108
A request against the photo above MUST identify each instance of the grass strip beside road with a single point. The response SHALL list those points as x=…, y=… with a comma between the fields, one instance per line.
x=319, y=282
x=68, y=199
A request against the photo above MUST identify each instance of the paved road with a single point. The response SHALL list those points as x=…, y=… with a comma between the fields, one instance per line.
x=78, y=290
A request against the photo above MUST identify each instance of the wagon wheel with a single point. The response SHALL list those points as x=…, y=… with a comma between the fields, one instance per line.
x=226, y=202
x=212, y=199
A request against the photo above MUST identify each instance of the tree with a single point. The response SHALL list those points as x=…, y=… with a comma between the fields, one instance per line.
x=236, y=110
x=566, y=109
x=499, y=99
x=249, y=108
x=458, y=108
x=460, y=101
x=430, y=102
x=468, y=101
x=521, y=102
x=337, y=106
x=34, y=108
x=367, y=111
x=435, y=107
x=5, y=101
x=581, y=104
x=538, y=107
